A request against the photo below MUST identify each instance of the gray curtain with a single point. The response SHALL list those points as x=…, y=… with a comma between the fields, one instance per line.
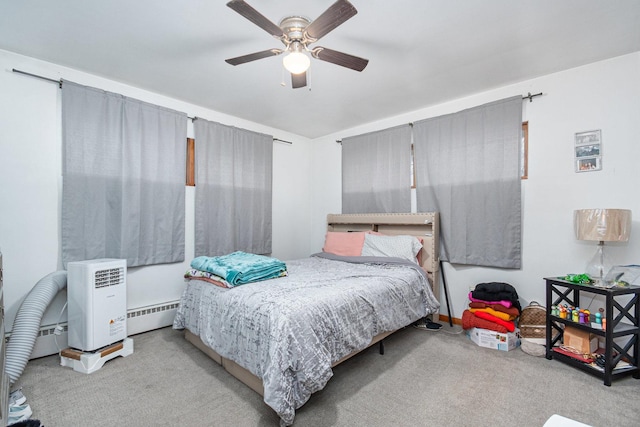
x=233, y=190
x=467, y=168
x=123, y=178
x=376, y=172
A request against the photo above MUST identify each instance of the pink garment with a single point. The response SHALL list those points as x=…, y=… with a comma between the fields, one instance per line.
x=503, y=302
x=212, y=281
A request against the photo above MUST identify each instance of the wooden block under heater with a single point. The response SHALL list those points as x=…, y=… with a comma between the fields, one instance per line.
x=76, y=354
x=90, y=362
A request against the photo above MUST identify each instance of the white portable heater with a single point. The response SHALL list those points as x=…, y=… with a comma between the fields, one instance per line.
x=97, y=303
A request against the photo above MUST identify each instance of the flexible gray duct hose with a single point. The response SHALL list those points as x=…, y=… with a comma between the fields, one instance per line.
x=27, y=323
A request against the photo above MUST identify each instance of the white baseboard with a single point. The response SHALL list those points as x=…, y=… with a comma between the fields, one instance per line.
x=139, y=320
x=47, y=343
x=152, y=317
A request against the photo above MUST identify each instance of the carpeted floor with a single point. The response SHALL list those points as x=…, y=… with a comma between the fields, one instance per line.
x=423, y=379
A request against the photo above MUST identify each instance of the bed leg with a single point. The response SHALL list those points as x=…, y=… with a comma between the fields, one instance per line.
x=381, y=346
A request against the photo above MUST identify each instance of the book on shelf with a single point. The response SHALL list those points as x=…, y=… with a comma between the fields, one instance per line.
x=619, y=366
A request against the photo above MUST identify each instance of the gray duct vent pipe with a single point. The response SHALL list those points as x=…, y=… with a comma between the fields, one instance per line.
x=27, y=323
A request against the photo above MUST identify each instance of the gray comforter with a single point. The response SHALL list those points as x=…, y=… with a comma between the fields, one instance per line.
x=289, y=331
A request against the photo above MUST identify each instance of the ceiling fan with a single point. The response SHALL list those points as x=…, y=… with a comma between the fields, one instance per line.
x=297, y=33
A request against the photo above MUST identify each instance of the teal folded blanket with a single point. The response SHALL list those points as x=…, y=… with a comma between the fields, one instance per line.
x=239, y=268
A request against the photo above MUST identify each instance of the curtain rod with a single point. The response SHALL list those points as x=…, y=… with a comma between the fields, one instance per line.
x=275, y=139
x=39, y=77
x=59, y=82
x=529, y=96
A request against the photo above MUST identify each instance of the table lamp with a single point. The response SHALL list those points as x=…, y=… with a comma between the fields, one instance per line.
x=601, y=225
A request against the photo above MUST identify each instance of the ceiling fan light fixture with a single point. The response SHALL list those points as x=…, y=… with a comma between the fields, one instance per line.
x=296, y=62
x=297, y=33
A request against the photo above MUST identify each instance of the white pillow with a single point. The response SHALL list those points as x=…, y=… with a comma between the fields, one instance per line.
x=406, y=247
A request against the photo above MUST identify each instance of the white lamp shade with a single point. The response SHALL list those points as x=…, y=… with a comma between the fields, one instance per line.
x=296, y=62
x=603, y=225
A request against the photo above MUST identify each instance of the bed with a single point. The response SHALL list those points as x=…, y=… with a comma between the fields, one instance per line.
x=282, y=336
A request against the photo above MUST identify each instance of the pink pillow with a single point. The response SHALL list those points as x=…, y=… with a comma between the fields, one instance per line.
x=345, y=244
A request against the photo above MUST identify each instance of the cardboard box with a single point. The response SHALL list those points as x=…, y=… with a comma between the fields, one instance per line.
x=580, y=340
x=493, y=339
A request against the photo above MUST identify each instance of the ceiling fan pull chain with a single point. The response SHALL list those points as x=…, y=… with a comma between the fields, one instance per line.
x=282, y=83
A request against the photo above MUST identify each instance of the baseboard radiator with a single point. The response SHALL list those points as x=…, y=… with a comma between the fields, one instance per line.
x=139, y=320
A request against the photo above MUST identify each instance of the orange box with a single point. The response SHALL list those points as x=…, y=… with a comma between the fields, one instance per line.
x=580, y=340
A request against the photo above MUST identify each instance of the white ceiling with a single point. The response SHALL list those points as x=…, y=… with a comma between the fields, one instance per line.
x=421, y=52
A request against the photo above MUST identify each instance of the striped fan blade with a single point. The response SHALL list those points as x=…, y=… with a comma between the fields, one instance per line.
x=339, y=58
x=298, y=80
x=336, y=15
x=253, y=56
x=256, y=17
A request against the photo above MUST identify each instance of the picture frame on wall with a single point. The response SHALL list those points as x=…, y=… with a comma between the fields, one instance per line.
x=588, y=164
x=588, y=151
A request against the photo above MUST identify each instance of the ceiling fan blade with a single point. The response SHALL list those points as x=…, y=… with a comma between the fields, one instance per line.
x=253, y=56
x=298, y=80
x=337, y=14
x=256, y=17
x=339, y=58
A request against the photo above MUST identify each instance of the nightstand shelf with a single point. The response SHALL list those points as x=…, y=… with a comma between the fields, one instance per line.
x=627, y=333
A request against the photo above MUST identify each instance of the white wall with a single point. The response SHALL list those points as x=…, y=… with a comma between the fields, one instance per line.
x=603, y=95
x=30, y=186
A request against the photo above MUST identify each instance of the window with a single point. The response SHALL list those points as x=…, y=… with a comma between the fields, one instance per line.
x=524, y=156
x=123, y=178
x=233, y=197
x=469, y=171
x=373, y=171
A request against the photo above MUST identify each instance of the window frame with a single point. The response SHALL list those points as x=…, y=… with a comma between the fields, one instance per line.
x=191, y=157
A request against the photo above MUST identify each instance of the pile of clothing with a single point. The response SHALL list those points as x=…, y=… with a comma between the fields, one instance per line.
x=494, y=306
x=235, y=269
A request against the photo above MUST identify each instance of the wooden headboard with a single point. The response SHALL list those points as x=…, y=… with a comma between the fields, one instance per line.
x=424, y=225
